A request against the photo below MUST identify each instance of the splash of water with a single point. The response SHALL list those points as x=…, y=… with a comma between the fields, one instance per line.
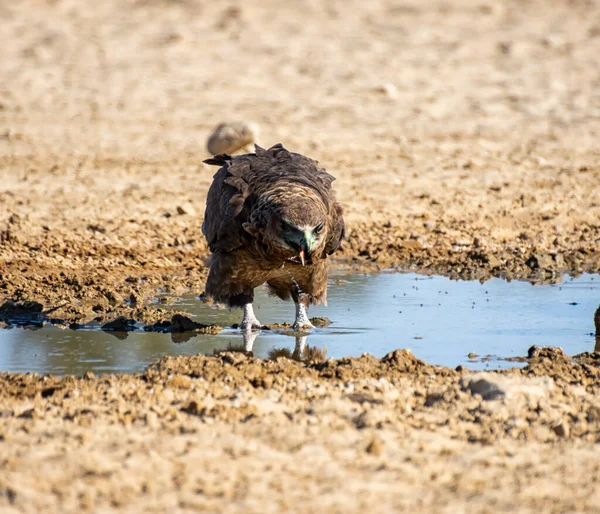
x=298, y=288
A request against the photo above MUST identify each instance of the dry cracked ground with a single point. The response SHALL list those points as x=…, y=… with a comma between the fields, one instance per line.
x=464, y=137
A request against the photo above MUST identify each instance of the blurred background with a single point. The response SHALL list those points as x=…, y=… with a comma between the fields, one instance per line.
x=146, y=78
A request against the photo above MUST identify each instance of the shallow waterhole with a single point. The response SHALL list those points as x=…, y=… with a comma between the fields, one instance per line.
x=442, y=321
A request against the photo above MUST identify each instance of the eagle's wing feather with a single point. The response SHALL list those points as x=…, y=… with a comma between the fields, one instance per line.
x=223, y=218
x=337, y=230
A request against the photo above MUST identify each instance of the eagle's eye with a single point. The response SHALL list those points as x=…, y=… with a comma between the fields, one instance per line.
x=318, y=228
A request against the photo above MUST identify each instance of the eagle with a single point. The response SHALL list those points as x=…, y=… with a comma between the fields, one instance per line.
x=271, y=217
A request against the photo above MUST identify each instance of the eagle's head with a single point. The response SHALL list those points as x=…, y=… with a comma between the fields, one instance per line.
x=299, y=227
x=303, y=240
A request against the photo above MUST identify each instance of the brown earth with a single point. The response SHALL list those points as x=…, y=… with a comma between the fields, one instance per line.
x=464, y=139
x=236, y=434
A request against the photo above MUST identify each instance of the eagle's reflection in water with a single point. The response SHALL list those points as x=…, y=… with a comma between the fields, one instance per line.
x=302, y=351
x=299, y=349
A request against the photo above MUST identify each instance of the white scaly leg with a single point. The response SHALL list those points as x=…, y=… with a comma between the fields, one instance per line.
x=302, y=320
x=249, y=320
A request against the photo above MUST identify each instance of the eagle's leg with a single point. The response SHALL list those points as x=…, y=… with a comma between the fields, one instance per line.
x=302, y=320
x=249, y=320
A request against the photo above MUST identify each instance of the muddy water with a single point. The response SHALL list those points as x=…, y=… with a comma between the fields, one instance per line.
x=442, y=321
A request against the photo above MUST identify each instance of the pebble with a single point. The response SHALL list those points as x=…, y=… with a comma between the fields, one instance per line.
x=374, y=448
x=388, y=89
x=561, y=430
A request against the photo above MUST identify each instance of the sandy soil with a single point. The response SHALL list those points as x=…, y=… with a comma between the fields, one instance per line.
x=235, y=434
x=464, y=139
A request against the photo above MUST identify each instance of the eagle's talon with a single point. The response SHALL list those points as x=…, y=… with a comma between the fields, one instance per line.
x=247, y=326
x=302, y=325
x=302, y=321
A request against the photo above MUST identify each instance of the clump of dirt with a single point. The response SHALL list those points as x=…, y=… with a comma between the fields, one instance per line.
x=181, y=323
x=121, y=324
x=320, y=322
x=21, y=313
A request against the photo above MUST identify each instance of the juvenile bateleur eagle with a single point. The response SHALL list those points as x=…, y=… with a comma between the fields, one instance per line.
x=271, y=217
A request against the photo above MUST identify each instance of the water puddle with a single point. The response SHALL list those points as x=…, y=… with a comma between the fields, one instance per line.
x=443, y=322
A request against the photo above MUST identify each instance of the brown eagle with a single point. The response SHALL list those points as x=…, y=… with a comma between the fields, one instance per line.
x=271, y=216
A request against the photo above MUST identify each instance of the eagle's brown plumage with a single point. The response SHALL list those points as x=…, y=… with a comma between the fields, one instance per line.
x=265, y=212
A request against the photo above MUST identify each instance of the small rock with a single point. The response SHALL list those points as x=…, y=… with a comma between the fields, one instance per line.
x=541, y=260
x=486, y=389
x=187, y=209
x=433, y=398
x=561, y=430
x=27, y=414
x=492, y=386
x=121, y=324
x=231, y=137
x=403, y=361
x=504, y=47
x=372, y=418
x=375, y=447
x=597, y=320
x=472, y=355
x=180, y=382
x=320, y=322
x=388, y=89
x=14, y=219
x=181, y=323
x=549, y=353
x=493, y=261
x=9, y=309
x=593, y=414
x=113, y=297
x=193, y=408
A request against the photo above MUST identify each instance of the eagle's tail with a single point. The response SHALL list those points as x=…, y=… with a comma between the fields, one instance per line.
x=218, y=160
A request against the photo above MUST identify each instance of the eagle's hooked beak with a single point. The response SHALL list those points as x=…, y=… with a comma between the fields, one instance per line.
x=306, y=246
x=303, y=242
x=301, y=254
